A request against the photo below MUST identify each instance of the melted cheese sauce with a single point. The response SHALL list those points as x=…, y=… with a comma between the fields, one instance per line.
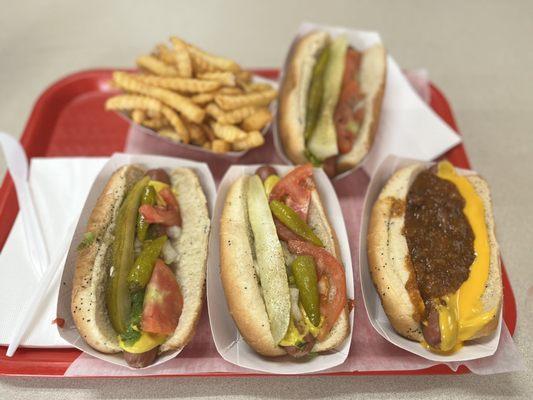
x=461, y=315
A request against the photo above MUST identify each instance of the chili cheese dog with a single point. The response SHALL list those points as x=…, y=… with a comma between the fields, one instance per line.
x=280, y=266
x=140, y=272
x=434, y=258
x=330, y=101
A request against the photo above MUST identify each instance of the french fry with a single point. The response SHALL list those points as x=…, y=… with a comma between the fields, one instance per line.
x=256, y=86
x=228, y=133
x=155, y=123
x=203, y=98
x=153, y=114
x=228, y=102
x=183, y=59
x=258, y=120
x=213, y=110
x=176, y=123
x=132, y=102
x=243, y=76
x=209, y=62
x=230, y=90
x=197, y=134
x=220, y=146
x=225, y=78
x=236, y=116
x=208, y=132
x=170, y=134
x=179, y=84
x=252, y=140
x=156, y=66
x=138, y=116
x=182, y=104
x=207, y=145
x=165, y=54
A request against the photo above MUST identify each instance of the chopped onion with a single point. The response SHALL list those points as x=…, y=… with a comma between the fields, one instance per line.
x=170, y=255
x=174, y=232
x=295, y=309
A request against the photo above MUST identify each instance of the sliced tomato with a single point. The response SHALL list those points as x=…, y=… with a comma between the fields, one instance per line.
x=332, y=300
x=160, y=215
x=294, y=189
x=347, y=113
x=162, y=301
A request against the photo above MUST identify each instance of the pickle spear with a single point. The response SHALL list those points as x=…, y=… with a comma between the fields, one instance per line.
x=323, y=140
x=142, y=269
x=314, y=98
x=270, y=262
x=117, y=296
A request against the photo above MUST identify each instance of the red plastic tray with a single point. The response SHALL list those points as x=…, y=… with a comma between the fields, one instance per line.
x=69, y=120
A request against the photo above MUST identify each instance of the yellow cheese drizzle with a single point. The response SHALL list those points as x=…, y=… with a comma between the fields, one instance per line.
x=461, y=316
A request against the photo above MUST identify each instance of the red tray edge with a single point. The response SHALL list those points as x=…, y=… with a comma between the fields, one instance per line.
x=92, y=78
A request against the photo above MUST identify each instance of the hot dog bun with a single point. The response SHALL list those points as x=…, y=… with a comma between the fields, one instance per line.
x=241, y=287
x=389, y=259
x=88, y=304
x=293, y=99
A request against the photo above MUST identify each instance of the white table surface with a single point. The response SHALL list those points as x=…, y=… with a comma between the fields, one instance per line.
x=480, y=54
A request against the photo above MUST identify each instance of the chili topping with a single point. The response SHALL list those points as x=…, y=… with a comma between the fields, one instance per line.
x=439, y=237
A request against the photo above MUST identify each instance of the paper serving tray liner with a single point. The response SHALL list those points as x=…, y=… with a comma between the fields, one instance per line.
x=142, y=139
x=69, y=331
x=360, y=40
x=229, y=343
x=479, y=348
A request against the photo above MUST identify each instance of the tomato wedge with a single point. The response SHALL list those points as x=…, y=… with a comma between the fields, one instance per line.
x=162, y=301
x=160, y=215
x=329, y=268
x=347, y=113
x=168, y=215
x=294, y=189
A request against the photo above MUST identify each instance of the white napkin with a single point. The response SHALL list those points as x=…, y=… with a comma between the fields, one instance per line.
x=59, y=187
x=408, y=127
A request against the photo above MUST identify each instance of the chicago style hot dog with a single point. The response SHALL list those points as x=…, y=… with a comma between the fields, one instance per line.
x=330, y=101
x=434, y=258
x=140, y=272
x=280, y=265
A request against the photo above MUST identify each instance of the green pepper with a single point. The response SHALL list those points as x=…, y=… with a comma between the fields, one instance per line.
x=304, y=272
x=141, y=272
x=314, y=97
x=292, y=220
x=148, y=197
x=117, y=296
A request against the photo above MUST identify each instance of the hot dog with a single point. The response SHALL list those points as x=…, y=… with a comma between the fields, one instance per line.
x=434, y=258
x=140, y=271
x=330, y=101
x=280, y=267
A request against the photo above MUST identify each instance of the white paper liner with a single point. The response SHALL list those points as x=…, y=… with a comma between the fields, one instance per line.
x=476, y=349
x=145, y=140
x=228, y=341
x=408, y=126
x=69, y=332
